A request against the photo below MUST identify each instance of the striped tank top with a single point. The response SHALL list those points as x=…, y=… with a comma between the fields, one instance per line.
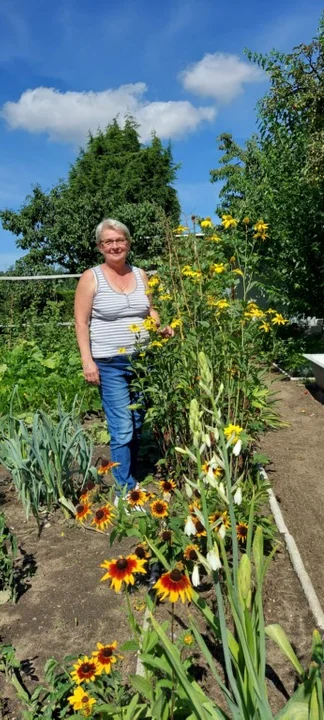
x=112, y=314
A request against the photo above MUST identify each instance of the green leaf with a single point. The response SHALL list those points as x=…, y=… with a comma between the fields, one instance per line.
x=129, y=646
x=143, y=686
x=278, y=635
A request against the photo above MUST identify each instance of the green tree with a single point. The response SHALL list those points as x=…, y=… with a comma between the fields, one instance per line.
x=279, y=175
x=113, y=176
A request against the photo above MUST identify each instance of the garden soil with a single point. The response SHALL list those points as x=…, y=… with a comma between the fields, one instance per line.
x=64, y=609
x=296, y=470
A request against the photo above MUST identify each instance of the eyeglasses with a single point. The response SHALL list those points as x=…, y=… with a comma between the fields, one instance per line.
x=110, y=243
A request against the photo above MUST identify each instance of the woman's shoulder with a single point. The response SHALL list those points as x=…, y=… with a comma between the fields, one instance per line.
x=88, y=276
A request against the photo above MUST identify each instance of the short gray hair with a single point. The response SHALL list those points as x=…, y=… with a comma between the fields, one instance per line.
x=114, y=225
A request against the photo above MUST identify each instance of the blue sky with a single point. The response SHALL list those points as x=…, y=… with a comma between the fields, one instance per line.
x=178, y=66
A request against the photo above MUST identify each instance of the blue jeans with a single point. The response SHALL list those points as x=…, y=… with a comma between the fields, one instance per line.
x=124, y=424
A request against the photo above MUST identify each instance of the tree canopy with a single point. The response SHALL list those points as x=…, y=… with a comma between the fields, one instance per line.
x=113, y=176
x=279, y=174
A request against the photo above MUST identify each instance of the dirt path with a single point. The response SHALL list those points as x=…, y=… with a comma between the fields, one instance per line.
x=296, y=472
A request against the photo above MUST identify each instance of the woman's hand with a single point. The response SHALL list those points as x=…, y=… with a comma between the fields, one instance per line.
x=167, y=331
x=91, y=373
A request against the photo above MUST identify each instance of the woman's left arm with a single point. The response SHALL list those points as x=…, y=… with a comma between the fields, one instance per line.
x=166, y=331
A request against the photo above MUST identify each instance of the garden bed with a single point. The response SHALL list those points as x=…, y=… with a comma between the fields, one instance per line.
x=296, y=470
x=66, y=610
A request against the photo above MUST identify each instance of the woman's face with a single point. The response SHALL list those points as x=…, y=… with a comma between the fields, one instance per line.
x=114, y=246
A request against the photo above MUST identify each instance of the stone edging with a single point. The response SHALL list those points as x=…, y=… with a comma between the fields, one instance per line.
x=296, y=559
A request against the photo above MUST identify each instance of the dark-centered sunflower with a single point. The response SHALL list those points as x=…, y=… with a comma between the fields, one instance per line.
x=82, y=510
x=167, y=486
x=85, y=670
x=103, y=516
x=136, y=497
x=105, y=657
x=174, y=584
x=159, y=508
x=122, y=570
x=242, y=531
x=191, y=553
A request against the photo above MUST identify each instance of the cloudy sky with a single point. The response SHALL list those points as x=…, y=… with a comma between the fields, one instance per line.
x=177, y=66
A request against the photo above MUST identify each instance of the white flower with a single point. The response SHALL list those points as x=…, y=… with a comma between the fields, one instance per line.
x=222, y=531
x=189, y=490
x=212, y=480
x=237, y=447
x=213, y=558
x=195, y=578
x=238, y=496
x=190, y=528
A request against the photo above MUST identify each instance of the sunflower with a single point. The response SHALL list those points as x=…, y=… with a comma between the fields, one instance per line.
x=122, y=570
x=82, y=510
x=166, y=536
x=159, y=508
x=80, y=700
x=135, y=328
x=141, y=551
x=194, y=505
x=200, y=528
x=220, y=515
x=172, y=585
x=84, y=498
x=105, y=657
x=167, y=486
x=232, y=432
x=191, y=553
x=188, y=639
x=136, y=497
x=103, y=516
x=105, y=466
x=85, y=670
x=242, y=531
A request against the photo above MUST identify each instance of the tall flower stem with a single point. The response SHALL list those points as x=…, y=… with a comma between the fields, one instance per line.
x=173, y=677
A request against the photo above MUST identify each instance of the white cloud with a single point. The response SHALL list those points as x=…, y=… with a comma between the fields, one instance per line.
x=68, y=116
x=220, y=76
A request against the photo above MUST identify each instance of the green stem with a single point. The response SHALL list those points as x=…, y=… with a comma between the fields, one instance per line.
x=173, y=676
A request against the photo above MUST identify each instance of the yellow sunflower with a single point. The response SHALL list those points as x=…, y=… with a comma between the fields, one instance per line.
x=242, y=531
x=103, y=516
x=228, y=221
x=105, y=466
x=206, y=223
x=136, y=497
x=200, y=529
x=172, y=585
x=188, y=639
x=105, y=657
x=82, y=511
x=141, y=551
x=122, y=571
x=233, y=431
x=85, y=670
x=167, y=486
x=159, y=508
x=80, y=700
x=166, y=536
x=191, y=553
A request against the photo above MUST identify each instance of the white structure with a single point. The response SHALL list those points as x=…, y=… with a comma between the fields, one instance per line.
x=317, y=363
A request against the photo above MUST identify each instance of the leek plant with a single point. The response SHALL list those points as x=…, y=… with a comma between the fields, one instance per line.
x=49, y=460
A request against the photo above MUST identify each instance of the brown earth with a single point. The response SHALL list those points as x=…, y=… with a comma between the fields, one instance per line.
x=296, y=471
x=64, y=608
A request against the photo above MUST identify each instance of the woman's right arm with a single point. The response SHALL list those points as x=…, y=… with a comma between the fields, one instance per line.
x=82, y=311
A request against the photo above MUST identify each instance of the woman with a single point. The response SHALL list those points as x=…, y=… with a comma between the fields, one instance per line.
x=109, y=299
